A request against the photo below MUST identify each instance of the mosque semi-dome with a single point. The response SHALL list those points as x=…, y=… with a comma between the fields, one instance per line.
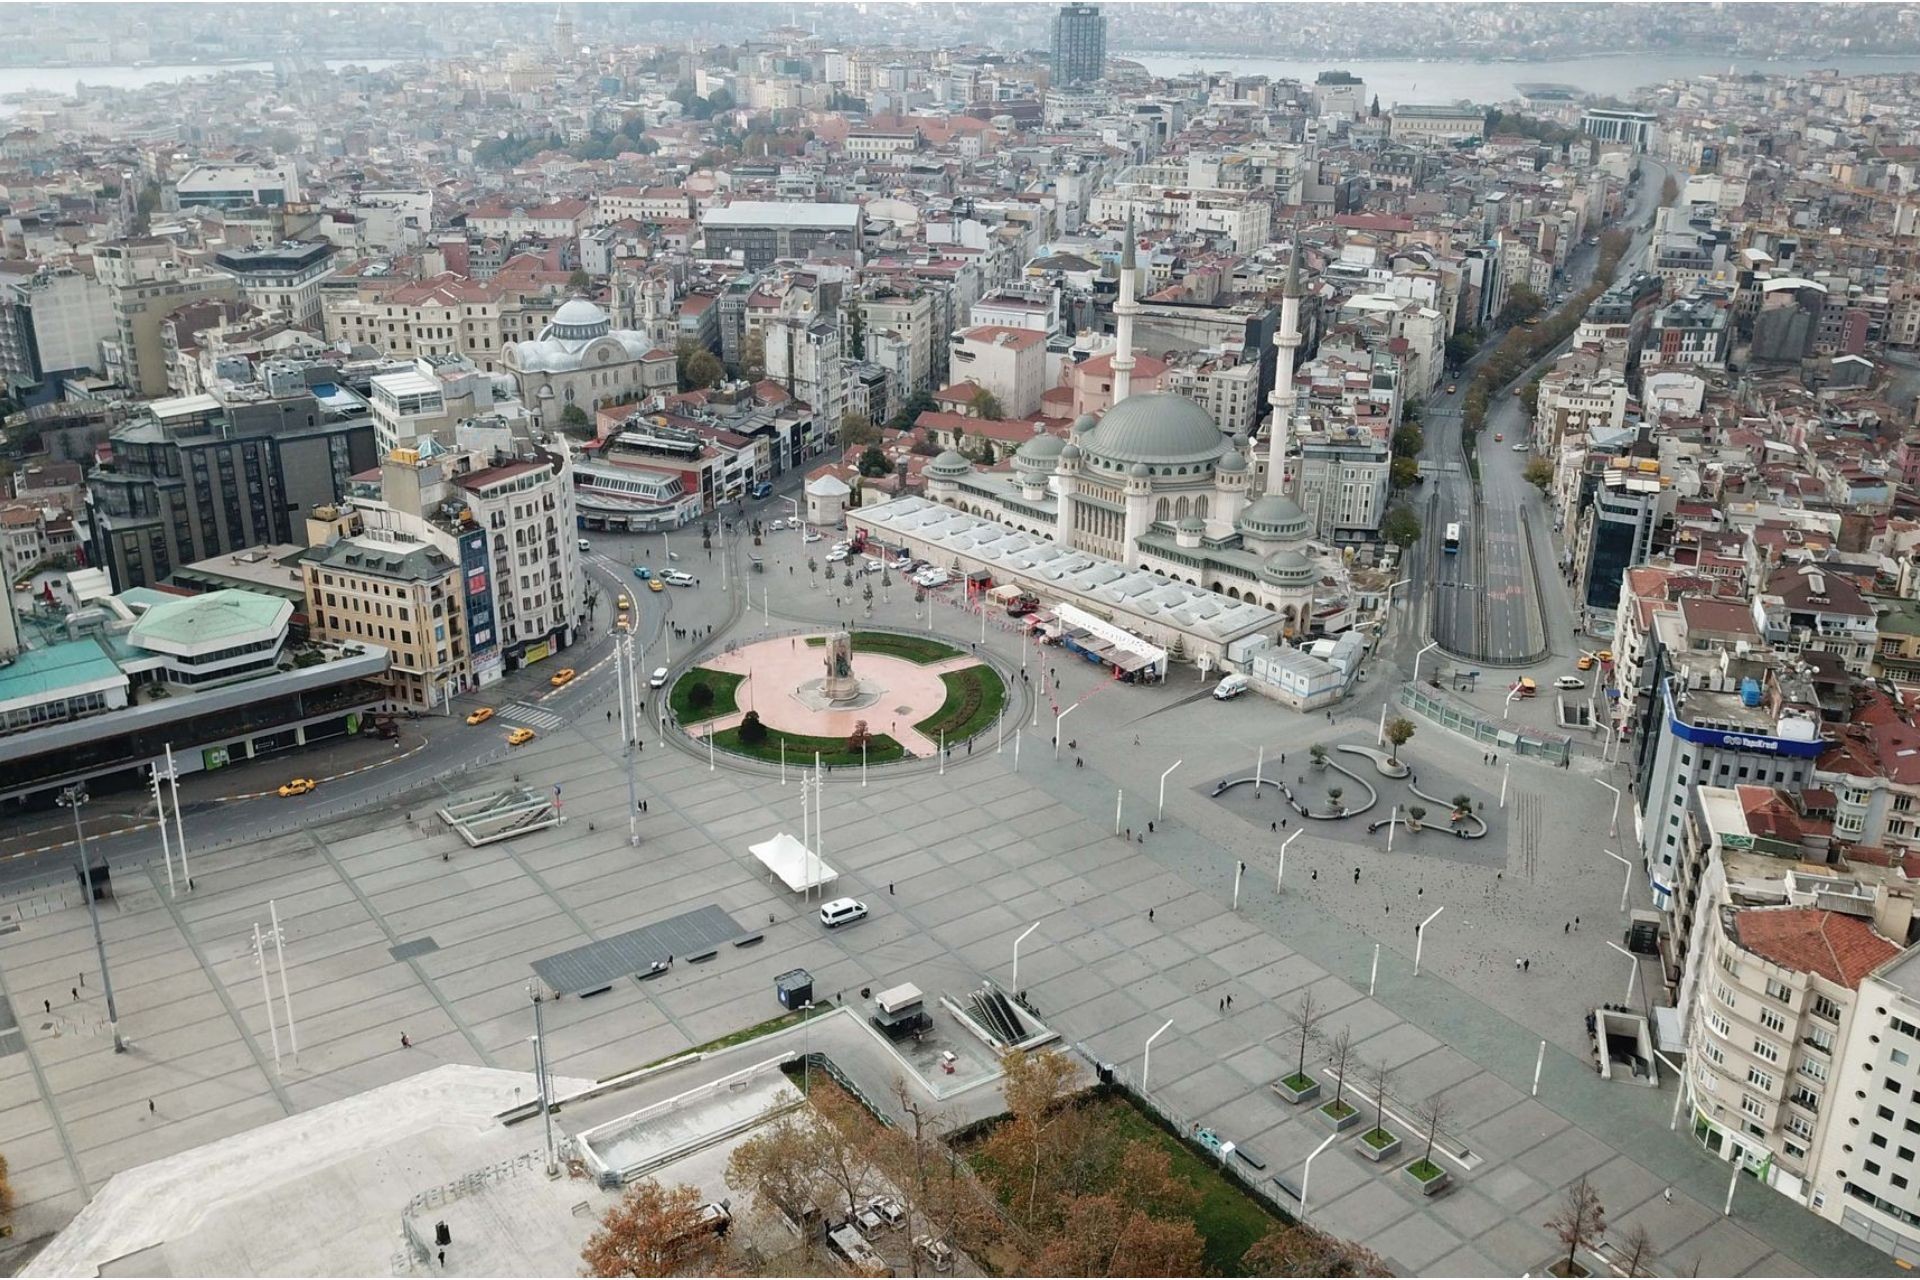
x=1275, y=516
x=1234, y=461
x=1288, y=569
x=1039, y=453
x=949, y=463
x=1157, y=428
x=1191, y=524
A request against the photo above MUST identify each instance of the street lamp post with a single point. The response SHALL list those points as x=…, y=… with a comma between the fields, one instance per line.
x=1306, y=1172
x=540, y=1073
x=1420, y=939
x=1281, y=874
x=166, y=845
x=1626, y=884
x=1016, y=955
x=1632, y=977
x=72, y=797
x=1416, y=659
x=1056, y=728
x=1160, y=812
x=1613, y=823
x=1146, y=1065
x=179, y=826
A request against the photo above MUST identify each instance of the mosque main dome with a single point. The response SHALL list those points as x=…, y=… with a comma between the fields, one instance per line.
x=1158, y=428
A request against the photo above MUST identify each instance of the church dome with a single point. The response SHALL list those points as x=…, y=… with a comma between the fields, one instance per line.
x=1157, y=427
x=949, y=464
x=578, y=319
x=1274, y=516
x=1288, y=569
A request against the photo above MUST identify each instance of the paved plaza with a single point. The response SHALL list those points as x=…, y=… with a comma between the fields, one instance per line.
x=394, y=926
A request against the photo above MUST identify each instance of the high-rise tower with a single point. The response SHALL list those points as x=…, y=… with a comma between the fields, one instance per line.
x=1123, y=313
x=1286, y=342
x=1079, y=45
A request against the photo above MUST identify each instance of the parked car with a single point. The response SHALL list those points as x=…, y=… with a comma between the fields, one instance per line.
x=298, y=787
x=890, y=1211
x=561, y=677
x=811, y=536
x=836, y=555
x=480, y=715
x=842, y=911
x=1452, y=387
x=520, y=736
x=1231, y=687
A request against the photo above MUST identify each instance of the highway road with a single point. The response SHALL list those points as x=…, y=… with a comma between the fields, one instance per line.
x=1485, y=599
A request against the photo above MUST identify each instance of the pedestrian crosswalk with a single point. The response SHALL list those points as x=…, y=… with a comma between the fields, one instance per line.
x=520, y=713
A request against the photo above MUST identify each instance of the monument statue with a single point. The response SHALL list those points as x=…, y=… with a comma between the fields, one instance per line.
x=841, y=685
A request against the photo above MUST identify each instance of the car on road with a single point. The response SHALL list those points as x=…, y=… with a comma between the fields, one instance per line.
x=836, y=555
x=656, y=585
x=1519, y=446
x=1231, y=687
x=563, y=676
x=298, y=787
x=1586, y=662
x=813, y=537
x=1524, y=687
x=520, y=736
x=1605, y=656
x=1569, y=682
x=623, y=622
x=658, y=678
x=1452, y=387
x=643, y=573
x=678, y=578
x=585, y=545
x=842, y=911
x=620, y=601
x=1498, y=436
x=480, y=715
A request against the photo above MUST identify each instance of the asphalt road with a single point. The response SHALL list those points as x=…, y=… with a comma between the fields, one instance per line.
x=1484, y=601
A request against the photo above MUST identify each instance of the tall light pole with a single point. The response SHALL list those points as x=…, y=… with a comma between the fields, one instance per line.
x=1161, y=811
x=266, y=993
x=1281, y=874
x=1016, y=955
x=1626, y=884
x=166, y=845
x=1146, y=1065
x=179, y=827
x=280, y=957
x=1306, y=1172
x=540, y=1072
x=1613, y=823
x=1420, y=939
x=1634, y=976
x=72, y=797
x=1416, y=659
x=1056, y=728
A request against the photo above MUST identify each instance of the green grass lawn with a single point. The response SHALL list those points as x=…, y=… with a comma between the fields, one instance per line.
x=918, y=649
x=1298, y=1081
x=1425, y=1170
x=1228, y=1219
x=723, y=683
x=1376, y=1138
x=974, y=697
x=800, y=748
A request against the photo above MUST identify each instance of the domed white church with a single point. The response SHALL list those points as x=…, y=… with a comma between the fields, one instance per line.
x=580, y=359
x=1155, y=484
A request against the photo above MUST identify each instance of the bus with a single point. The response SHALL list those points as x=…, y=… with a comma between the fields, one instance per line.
x=1453, y=539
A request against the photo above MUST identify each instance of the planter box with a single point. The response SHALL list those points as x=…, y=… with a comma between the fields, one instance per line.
x=1427, y=1186
x=1304, y=1093
x=1377, y=1154
x=1341, y=1123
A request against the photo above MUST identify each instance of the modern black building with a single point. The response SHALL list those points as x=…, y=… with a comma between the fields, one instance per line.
x=1079, y=45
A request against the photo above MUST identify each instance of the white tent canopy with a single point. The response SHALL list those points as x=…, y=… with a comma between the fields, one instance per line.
x=796, y=865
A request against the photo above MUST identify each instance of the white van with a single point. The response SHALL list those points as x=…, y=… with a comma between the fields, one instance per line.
x=1231, y=687
x=842, y=911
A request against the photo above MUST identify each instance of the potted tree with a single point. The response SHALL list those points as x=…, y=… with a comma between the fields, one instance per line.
x=1414, y=814
x=1424, y=1173
x=1340, y=1113
x=1318, y=754
x=1462, y=807
x=1379, y=1143
x=1304, y=1018
x=1399, y=729
x=1579, y=1222
x=1333, y=799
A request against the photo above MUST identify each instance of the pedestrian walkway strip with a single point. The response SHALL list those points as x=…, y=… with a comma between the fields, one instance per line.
x=520, y=711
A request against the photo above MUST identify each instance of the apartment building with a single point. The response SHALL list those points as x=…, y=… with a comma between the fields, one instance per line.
x=1865, y=1179
x=1808, y=608
x=282, y=279
x=53, y=323
x=406, y=598
x=1006, y=361
x=902, y=335
x=146, y=283
x=761, y=231
x=233, y=187
x=643, y=204
x=1418, y=122
x=1344, y=481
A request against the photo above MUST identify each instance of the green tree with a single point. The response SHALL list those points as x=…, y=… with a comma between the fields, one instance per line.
x=918, y=403
x=987, y=405
x=1539, y=473
x=1669, y=190
x=857, y=333
x=857, y=429
x=1401, y=527
x=1522, y=304
x=1408, y=441
x=1399, y=730
x=574, y=418
x=752, y=732
x=1530, y=396
x=579, y=281
x=1405, y=472
x=720, y=101
x=986, y=455
x=703, y=370
x=1460, y=348
x=874, y=463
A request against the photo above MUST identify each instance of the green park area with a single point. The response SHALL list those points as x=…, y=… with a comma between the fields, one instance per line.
x=703, y=693
x=975, y=696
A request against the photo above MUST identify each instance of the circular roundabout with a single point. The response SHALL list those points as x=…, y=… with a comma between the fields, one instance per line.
x=864, y=696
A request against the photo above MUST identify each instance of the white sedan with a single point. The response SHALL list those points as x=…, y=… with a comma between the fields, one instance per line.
x=813, y=537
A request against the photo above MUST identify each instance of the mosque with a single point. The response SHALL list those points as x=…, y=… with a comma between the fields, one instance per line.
x=1155, y=484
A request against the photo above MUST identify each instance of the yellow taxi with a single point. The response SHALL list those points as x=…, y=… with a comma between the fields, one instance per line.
x=1606, y=656
x=654, y=584
x=298, y=787
x=622, y=623
x=519, y=736
x=622, y=602
x=564, y=675
x=1586, y=662
x=480, y=715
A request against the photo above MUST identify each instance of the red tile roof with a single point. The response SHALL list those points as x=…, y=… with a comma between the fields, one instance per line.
x=1839, y=948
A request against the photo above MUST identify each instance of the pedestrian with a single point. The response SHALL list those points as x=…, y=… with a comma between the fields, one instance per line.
x=404, y=1042
x=1516, y=963
x=1221, y=1004
x=443, y=1259
x=1567, y=927
x=76, y=994
x=83, y=979
x=1149, y=826
x=1576, y=922
x=1274, y=827
x=889, y=886
x=1316, y=874
x=1129, y=833
x=49, y=1005
x=1527, y=964
x=150, y=1109
x=1283, y=824
x=1389, y=908
x=1356, y=875
x=1667, y=1195
x=1149, y=915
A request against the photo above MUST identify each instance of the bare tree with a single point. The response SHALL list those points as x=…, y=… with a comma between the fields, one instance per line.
x=1638, y=1251
x=1432, y=1114
x=1339, y=1053
x=1579, y=1221
x=1307, y=1251
x=1304, y=1018
x=1380, y=1076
